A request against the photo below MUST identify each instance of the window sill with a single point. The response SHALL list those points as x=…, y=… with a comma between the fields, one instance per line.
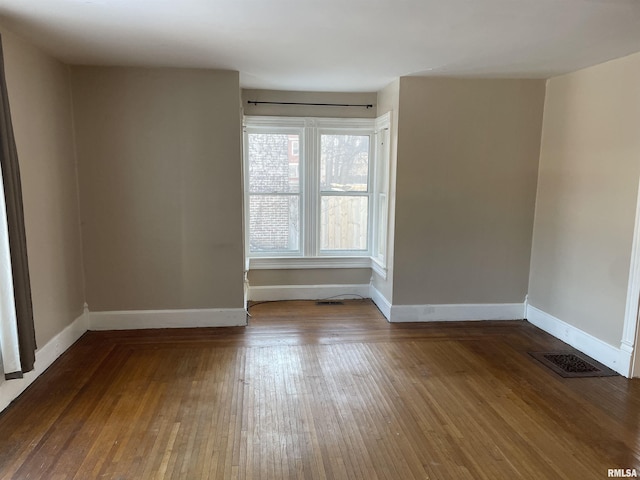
x=299, y=263
x=379, y=268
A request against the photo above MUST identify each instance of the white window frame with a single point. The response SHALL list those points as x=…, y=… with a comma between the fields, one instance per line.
x=309, y=254
x=381, y=192
x=287, y=127
x=362, y=131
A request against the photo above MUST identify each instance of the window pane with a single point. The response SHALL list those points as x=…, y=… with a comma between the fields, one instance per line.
x=274, y=160
x=344, y=163
x=274, y=223
x=343, y=223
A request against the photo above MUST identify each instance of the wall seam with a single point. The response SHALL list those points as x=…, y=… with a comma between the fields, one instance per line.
x=77, y=173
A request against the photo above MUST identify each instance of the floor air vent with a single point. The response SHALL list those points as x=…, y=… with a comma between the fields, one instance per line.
x=569, y=364
x=329, y=302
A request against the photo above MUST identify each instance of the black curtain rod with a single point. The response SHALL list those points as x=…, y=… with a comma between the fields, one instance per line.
x=254, y=102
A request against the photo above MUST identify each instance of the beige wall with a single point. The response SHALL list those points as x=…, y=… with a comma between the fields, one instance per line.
x=323, y=276
x=585, y=212
x=466, y=181
x=319, y=276
x=40, y=101
x=389, y=101
x=309, y=97
x=160, y=187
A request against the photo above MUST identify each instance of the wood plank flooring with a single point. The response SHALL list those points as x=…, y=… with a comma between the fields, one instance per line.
x=319, y=392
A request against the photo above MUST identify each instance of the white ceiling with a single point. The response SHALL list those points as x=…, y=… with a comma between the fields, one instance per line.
x=333, y=45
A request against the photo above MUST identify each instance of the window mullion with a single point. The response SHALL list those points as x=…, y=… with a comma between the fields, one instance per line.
x=311, y=189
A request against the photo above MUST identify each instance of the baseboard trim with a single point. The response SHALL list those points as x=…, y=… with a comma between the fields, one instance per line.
x=45, y=356
x=144, y=319
x=604, y=353
x=626, y=360
x=457, y=312
x=307, y=292
x=381, y=302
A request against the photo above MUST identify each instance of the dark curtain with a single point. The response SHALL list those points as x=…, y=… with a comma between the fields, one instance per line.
x=17, y=237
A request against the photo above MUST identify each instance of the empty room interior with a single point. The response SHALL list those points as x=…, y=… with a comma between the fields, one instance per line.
x=311, y=240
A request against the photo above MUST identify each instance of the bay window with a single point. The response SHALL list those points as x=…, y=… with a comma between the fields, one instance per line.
x=314, y=189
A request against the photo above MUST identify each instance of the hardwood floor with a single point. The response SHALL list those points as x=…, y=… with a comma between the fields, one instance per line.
x=315, y=392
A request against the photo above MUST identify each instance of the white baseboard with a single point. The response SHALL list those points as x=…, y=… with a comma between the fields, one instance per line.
x=143, y=319
x=604, y=353
x=307, y=292
x=45, y=356
x=381, y=301
x=457, y=312
x=626, y=361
